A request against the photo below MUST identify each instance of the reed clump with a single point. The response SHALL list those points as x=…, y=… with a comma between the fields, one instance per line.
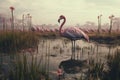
x=113, y=62
x=105, y=71
x=15, y=41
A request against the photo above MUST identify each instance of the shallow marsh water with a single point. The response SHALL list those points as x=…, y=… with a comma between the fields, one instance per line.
x=53, y=52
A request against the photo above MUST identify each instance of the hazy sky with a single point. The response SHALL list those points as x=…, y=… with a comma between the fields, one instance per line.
x=76, y=11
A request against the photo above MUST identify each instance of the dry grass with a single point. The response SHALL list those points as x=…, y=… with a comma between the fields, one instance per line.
x=16, y=41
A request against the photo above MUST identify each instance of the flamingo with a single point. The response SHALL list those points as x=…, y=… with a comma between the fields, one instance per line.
x=72, y=33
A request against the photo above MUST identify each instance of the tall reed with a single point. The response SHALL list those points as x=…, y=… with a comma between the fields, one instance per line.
x=113, y=62
x=108, y=71
x=27, y=69
x=95, y=71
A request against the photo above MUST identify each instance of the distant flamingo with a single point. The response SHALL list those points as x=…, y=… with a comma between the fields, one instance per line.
x=72, y=33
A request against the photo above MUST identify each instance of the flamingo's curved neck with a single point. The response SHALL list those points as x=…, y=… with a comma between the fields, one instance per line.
x=60, y=29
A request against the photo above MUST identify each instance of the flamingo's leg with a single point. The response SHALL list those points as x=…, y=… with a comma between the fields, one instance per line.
x=72, y=50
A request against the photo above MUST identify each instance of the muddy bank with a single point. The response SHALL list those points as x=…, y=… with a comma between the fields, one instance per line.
x=111, y=40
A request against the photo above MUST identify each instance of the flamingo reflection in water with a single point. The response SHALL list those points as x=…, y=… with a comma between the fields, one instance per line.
x=72, y=33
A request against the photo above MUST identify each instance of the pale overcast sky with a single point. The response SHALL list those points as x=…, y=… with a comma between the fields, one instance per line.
x=76, y=11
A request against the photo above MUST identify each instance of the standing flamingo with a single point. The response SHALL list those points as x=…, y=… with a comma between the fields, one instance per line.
x=72, y=33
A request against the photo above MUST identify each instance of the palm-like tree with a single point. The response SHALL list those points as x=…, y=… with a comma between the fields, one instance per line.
x=23, y=21
x=3, y=24
x=99, y=23
x=12, y=20
x=30, y=22
x=111, y=22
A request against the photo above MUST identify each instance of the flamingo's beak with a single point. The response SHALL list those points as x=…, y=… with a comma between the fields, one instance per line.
x=59, y=20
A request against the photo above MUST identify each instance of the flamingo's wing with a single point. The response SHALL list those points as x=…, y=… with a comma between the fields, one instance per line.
x=81, y=33
x=74, y=33
x=68, y=33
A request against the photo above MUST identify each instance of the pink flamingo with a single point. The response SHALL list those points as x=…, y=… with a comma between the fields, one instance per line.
x=72, y=33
